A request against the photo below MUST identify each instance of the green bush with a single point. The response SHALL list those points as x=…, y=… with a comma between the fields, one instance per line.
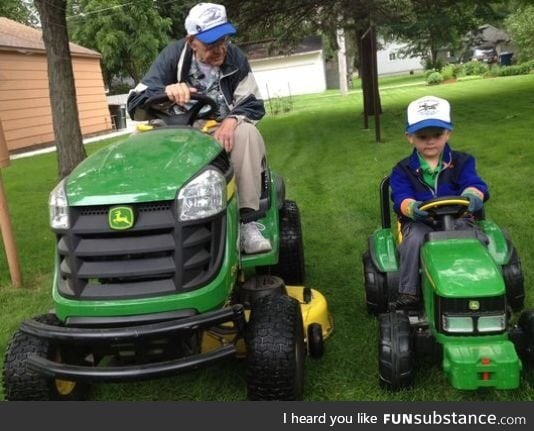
x=434, y=78
x=518, y=69
x=459, y=70
x=475, y=68
x=447, y=72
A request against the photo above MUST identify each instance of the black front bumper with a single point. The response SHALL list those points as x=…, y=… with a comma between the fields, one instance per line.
x=74, y=336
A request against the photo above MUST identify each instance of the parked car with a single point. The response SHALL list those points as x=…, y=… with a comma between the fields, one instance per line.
x=486, y=55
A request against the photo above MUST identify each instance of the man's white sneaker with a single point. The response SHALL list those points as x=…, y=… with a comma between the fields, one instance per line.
x=252, y=241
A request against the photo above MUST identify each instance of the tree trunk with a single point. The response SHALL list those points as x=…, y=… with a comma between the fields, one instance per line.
x=70, y=149
x=367, y=73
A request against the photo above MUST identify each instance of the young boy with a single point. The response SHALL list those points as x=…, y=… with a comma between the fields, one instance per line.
x=432, y=170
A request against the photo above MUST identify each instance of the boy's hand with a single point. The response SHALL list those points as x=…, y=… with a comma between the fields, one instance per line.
x=475, y=203
x=415, y=213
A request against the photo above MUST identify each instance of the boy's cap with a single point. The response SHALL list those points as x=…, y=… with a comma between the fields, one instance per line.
x=428, y=111
x=208, y=23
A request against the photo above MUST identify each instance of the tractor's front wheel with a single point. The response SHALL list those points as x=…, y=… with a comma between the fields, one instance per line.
x=395, y=351
x=526, y=325
x=23, y=384
x=275, y=350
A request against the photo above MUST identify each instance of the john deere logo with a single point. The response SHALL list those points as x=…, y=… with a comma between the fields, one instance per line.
x=474, y=305
x=121, y=218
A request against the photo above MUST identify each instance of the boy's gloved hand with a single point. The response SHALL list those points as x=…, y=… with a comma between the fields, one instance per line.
x=415, y=213
x=475, y=203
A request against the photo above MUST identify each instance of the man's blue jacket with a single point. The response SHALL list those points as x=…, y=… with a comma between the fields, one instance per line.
x=172, y=65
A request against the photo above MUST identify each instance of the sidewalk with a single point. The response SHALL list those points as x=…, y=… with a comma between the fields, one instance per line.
x=130, y=127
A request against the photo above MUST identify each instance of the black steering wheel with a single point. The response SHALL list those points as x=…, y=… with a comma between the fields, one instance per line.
x=160, y=107
x=445, y=209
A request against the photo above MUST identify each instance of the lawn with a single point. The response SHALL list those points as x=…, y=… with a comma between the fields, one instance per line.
x=332, y=167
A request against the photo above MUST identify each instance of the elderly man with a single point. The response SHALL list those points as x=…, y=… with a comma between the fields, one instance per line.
x=206, y=62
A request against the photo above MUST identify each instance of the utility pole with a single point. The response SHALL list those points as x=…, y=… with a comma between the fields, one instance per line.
x=5, y=222
x=342, y=61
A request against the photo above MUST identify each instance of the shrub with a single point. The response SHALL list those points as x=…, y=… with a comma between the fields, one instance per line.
x=447, y=72
x=458, y=70
x=475, y=68
x=434, y=78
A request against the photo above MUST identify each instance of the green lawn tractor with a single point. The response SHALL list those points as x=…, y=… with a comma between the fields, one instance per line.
x=472, y=284
x=149, y=278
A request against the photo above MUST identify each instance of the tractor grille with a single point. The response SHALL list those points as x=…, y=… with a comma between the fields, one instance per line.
x=157, y=256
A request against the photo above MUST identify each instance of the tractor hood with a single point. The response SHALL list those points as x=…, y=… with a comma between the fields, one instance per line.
x=459, y=268
x=149, y=166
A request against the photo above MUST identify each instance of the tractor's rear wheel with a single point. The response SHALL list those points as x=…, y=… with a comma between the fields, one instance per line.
x=395, y=351
x=23, y=384
x=290, y=266
x=275, y=350
x=375, y=282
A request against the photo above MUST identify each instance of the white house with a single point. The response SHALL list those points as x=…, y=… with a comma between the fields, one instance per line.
x=301, y=71
x=390, y=61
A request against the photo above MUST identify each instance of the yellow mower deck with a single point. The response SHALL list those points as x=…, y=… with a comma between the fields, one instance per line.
x=314, y=311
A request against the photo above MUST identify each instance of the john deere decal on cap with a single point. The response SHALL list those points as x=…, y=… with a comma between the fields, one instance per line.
x=121, y=218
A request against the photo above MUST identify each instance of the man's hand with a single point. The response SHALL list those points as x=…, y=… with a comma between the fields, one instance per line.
x=179, y=93
x=225, y=133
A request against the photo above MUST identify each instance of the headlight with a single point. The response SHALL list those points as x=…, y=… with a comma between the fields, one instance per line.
x=204, y=196
x=457, y=324
x=491, y=323
x=58, y=207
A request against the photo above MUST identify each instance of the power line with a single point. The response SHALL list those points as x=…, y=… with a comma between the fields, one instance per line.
x=84, y=14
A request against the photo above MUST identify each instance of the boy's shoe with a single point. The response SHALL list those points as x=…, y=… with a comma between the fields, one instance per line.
x=406, y=301
x=252, y=241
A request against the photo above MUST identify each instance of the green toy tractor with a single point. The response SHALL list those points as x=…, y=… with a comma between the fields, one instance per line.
x=149, y=278
x=471, y=284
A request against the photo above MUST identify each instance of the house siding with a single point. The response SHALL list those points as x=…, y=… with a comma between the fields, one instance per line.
x=25, y=108
x=290, y=75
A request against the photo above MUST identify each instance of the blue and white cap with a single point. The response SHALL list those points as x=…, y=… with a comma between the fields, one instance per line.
x=428, y=111
x=208, y=23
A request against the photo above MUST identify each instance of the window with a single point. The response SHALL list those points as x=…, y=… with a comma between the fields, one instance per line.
x=392, y=56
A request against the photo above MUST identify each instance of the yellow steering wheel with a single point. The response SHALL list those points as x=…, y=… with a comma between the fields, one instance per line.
x=454, y=206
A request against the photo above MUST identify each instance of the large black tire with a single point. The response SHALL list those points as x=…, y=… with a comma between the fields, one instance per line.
x=275, y=350
x=290, y=266
x=526, y=325
x=376, y=290
x=24, y=384
x=514, y=281
x=395, y=351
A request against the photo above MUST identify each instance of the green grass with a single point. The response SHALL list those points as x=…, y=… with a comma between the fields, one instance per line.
x=332, y=167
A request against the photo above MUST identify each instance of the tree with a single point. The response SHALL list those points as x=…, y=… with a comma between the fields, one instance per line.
x=520, y=26
x=129, y=35
x=176, y=12
x=433, y=25
x=15, y=10
x=70, y=149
